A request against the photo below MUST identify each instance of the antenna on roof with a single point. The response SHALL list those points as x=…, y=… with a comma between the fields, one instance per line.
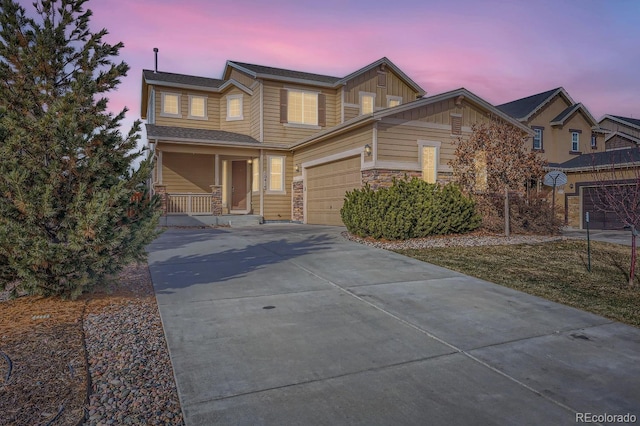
x=155, y=51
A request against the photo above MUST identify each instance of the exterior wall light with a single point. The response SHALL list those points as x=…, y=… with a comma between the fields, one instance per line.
x=367, y=150
x=296, y=168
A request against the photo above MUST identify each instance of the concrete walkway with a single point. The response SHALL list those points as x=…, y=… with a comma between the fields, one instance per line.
x=291, y=324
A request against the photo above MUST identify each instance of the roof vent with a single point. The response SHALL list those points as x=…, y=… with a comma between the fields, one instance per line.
x=155, y=51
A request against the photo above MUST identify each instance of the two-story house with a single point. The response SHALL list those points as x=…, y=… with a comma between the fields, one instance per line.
x=563, y=128
x=287, y=145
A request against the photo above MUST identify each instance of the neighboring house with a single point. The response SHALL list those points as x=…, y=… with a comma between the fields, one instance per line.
x=563, y=128
x=624, y=132
x=287, y=145
x=622, y=154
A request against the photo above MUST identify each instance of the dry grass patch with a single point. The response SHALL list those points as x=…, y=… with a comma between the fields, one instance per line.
x=556, y=271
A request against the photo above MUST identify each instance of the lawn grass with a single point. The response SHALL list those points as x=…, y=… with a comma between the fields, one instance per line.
x=556, y=271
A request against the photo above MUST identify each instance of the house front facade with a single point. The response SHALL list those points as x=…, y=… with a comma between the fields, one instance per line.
x=287, y=145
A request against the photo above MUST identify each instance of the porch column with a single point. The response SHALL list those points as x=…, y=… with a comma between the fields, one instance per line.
x=216, y=169
x=161, y=190
x=216, y=200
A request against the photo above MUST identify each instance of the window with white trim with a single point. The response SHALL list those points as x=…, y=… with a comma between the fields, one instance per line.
x=594, y=141
x=198, y=107
x=275, y=172
x=255, y=183
x=302, y=107
x=367, y=102
x=575, y=141
x=170, y=104
x=393, y=101
x=537, y=138
x=235, y=107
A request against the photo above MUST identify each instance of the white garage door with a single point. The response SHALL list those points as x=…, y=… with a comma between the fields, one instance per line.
x=326, y=186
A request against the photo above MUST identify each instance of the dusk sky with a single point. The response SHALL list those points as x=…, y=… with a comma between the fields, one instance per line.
x=500, y=50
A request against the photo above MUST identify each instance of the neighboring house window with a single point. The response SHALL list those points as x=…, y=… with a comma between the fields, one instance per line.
x=276, y=174
x=575, y=141
x=594, y=141
x=480, y=166
x=302, y=107
x=393, y=101
x=197, y=107
x=171, y=104
x=255, y=183
x=537, y=138
x=234, y=107
x=367, y=102
x=429, y=152
x=456, y=124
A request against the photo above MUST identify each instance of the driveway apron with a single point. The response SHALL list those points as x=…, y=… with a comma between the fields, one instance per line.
x=293, y=324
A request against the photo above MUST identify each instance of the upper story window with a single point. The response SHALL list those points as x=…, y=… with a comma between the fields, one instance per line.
x=234, y=107
x=367, y=102
x=594, y=141
x=537, y=138
x=393, y=101
x=575, y=140
x=198, y=107
x=303, y=107
x=170, y=104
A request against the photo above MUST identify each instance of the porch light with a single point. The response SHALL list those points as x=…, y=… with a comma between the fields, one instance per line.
x=367, y=150
x=296, y=168
x=249, y=161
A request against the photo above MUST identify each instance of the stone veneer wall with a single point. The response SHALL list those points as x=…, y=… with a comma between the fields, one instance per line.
x=216, y=200
x=297, y=208
x=161, y=191
x=383, y=178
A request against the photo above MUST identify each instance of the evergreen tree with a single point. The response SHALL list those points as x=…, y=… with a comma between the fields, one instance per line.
x=69, y=216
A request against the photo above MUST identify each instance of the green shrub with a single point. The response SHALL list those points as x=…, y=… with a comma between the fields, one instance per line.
x=408, y=209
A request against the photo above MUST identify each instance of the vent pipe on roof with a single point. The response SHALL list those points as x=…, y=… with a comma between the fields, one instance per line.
x=155, y=51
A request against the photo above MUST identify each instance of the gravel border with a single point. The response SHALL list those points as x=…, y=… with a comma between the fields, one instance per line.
x=464, y=240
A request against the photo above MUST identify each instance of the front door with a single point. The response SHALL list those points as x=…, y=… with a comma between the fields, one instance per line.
x=238, y=185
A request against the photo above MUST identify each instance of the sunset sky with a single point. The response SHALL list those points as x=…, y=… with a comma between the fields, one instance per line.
x=499, y=49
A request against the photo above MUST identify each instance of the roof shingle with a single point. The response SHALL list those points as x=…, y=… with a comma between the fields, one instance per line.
x=191, y=80
x=520, y=108
x=167, y=132
x=607, y=158
x=280, y=72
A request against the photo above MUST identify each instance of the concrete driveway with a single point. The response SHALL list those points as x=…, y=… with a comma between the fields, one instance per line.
x=291, y=324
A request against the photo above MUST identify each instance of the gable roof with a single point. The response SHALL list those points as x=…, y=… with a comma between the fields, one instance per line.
x=624, y=135
x=365, y=119
x=261, y=71
x=190, y=81
x=560, y=119
x=281, y=74
x=522, y=109
x=599, y=160
x=632, y=122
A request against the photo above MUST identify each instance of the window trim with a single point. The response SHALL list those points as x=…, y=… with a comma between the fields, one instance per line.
x=230, y=98
x=302, y=123
x=432, y=144
x=196, y=117
x=373, y=102
x=533, y=145
x=594, y=141
x=282, y=178
x=162, y=102
x=393, y=98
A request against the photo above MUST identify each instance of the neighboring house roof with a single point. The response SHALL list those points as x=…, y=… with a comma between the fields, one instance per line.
x=362, y=120
x=190, y=135
x=569, y=111
x=619, y=158
x=261, y=71
x=522, y=109
x=631, y=122
x=624, y=135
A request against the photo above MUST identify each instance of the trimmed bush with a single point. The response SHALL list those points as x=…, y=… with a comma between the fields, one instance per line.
x=408, y=209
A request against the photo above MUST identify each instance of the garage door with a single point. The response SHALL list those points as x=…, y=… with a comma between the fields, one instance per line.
x=326, y=186
x=601, y=216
